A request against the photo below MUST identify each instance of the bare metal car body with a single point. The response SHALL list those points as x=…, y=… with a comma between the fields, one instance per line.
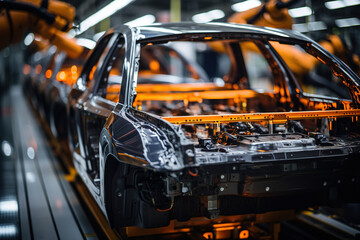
x=145, y=169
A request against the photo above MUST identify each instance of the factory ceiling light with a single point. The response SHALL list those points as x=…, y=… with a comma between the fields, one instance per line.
x=90, y=44
x=300, y=12
x=341, y=4
x=310, y=26
x=208, y=16
x=103, y=13
x=98, y=35
x=347, y=22
x=246, y=5
x=144, y=20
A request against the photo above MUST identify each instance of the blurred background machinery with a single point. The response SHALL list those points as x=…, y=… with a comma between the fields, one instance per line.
x=320, y=20
x=28, y=27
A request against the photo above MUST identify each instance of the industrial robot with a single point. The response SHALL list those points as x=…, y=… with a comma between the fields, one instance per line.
x=274, y=13
x=49, y=19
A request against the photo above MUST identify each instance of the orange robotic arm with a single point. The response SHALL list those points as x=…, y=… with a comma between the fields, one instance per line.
x=274, y=13
x=50, y=19
x=270, y=14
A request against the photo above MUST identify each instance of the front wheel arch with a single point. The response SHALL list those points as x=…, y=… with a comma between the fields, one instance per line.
x=122, y=201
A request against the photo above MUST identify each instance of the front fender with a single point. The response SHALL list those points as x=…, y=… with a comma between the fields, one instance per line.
x=143, y=143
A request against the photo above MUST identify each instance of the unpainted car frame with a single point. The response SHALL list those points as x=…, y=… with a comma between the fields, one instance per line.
x=143, y=171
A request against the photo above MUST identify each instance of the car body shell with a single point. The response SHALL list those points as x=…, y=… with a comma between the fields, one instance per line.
x=109, y=139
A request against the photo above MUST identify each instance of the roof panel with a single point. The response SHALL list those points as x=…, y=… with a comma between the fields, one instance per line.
x=169, y=29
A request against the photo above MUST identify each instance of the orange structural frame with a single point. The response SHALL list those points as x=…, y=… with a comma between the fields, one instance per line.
x=195, y=96
x=180, y=87
x=174, y=87
x=273, y=117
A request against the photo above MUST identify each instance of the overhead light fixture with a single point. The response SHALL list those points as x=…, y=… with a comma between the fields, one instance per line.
x=98, y=35
x=29, y=39
x=347, y=22
x=71, y=33
x=317, y=26
x=103, y=13
x=341, y=4
x=246, y=5
x=144, y=20
x=90, y=44
x=334, y=4
x=30, y=152
x=6, y=147
x=208, y=16
x=300, y=12
x=310, y=26
x=201, y=18
x=8, y=206
x=8, y=230
x=300, y=27
x=216, y=14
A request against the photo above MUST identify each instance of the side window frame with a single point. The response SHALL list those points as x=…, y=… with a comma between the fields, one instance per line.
x=336, y=70
x=83, y=79
x=102, y=78
x=262, y=53
x=316, y=52
x=279, y=74
x=283, y=79
x=237, y=70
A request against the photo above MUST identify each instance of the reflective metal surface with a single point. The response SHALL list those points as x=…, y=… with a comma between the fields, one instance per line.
x=9, y=209
x=36, y=202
